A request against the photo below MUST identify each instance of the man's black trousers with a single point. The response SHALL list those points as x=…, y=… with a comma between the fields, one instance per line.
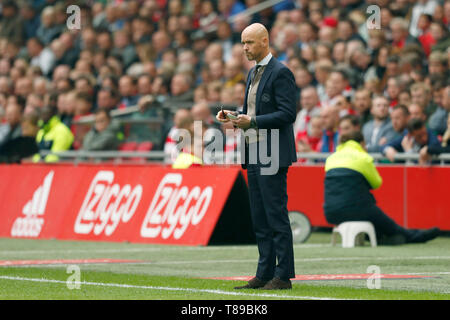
x=268, y=203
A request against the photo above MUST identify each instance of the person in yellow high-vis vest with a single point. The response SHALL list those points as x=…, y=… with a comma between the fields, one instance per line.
x=54, y=135
x=349, y=178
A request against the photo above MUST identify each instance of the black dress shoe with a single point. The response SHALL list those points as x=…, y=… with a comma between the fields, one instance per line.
x=253, y=283
x=423, y=236
x=277, y=284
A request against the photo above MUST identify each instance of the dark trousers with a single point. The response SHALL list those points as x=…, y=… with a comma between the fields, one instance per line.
x=382, y=223
x=268, y=203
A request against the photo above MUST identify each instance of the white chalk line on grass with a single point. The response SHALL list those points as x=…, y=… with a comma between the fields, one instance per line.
x=191, y=290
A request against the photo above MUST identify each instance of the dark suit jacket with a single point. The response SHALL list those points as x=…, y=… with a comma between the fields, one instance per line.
x=276, y=108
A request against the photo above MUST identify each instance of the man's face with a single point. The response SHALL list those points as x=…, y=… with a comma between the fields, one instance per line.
x=12, y=114
x=254, y=46
x=380, y=108
x=178, y=85
x=104, y=99
x=419, y=96
x=346, y=127
x=362, y=101
x=420, y=136
x=309, y=99
x=415, y=112
x=101, y=122
x=126, y=87
x=329, y=117
x=399, y=120
x=392, y=88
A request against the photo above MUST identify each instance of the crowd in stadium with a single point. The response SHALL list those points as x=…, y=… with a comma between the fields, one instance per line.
x=172, y=60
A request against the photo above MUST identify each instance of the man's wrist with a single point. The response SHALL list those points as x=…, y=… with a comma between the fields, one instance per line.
x=253, y=123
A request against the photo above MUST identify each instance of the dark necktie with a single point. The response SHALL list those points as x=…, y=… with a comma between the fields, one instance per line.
x=255, y=72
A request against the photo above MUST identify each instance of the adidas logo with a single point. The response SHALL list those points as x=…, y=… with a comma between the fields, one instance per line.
x=30, y=225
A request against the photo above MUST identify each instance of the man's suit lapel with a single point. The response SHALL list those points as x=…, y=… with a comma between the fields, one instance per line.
x=262, y=82
x=244, y=109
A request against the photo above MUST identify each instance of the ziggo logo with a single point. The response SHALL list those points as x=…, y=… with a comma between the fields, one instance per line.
x=99, y=213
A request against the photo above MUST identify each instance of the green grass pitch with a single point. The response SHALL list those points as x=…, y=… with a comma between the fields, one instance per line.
x=178, y=272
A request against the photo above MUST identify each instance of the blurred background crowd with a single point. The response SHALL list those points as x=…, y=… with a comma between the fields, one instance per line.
x=136, y=71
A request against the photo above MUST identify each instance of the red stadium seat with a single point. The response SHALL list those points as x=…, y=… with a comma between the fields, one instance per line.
x=145, y=146
x=128, y=146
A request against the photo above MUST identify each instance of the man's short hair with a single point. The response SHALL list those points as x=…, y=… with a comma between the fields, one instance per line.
x=403, y=108
x=356, y=136
x=354, y=119
x=106, y=111
x=415, y=124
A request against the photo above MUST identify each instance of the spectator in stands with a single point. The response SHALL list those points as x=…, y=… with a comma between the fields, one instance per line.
x=49, y=29
x=344, y=106
x=11, y=128
x=362, y=103
x=144, y=85
x=400, y=34
x=149, y=109
x=53, y=136
x=310, y=107
x=350, y=176
x=31, y=19
x=190, y=154
x=124, y=48
x=41, y=56
x=399, y=118
x=107, y=98
x=337, y=84
x=103, y=135
x=412, y=141
x=421, y=95
x=438, y=120
x=348, y=124
x=427, y=152
x=180, y=89
x=23, y=146
x=330, y=119
x=393, y=90
x=34, y=101
x=201, y=112
x=71, y=52
x=128, y=92
x=310, y=140
x=378, y=131
x=416, y=112
x=233, y=72
x=11, y=25
x=181, y=117
x=322, y=71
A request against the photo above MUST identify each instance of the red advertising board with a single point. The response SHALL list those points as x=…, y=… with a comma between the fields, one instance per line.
x=157, y=204
x=133, y=203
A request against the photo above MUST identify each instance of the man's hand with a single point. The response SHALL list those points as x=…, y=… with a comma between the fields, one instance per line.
x=424, y=157
x=243, y=121
x=222, y=115
x=383, y=141
x=390, y=153
x=407, y=143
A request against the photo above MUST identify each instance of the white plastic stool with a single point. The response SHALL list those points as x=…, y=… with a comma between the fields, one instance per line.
x=352, y=230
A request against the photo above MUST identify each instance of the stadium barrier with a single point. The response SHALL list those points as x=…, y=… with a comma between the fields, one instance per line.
x=150, y=204
x=153, y=203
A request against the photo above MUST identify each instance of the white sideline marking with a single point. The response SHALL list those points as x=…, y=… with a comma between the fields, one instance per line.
x=220, y=292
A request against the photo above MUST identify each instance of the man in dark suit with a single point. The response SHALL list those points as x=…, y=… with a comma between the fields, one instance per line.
x=269, y=107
